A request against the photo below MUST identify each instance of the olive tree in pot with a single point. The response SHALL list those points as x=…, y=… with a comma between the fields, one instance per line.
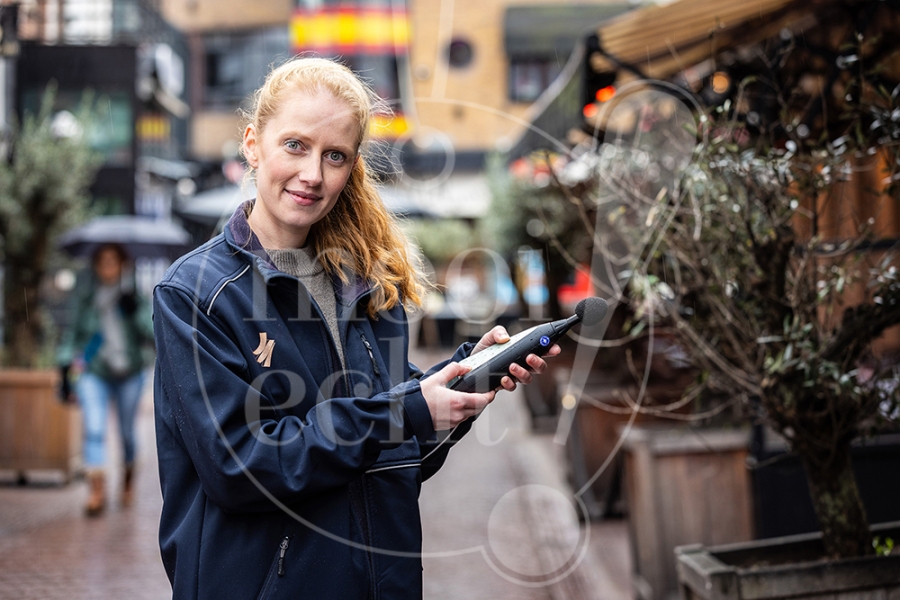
x=45, y=173
x=44, y=180
x=777, y=298
x=771, y=311
x=768, y=260
x=770, y=253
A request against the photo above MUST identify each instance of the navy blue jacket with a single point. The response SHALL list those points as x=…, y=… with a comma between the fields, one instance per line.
x=282, y=476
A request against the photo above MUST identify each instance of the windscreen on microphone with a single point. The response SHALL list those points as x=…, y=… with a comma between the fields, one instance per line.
x=591, y=310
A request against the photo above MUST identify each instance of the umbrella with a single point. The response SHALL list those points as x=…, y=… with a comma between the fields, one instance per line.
x=212, y=206
x=140, y=236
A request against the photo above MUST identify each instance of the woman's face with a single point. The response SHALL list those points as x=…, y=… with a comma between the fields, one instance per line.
x=303, y=158
x=108, y=266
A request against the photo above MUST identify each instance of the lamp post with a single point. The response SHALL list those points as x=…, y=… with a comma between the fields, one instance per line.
x=9, y=50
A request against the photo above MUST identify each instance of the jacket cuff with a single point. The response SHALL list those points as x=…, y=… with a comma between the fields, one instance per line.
x=463, y=351
x=417, y=420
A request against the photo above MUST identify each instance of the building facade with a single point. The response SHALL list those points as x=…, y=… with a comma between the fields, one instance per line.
x=461, y=76
x=133, y=62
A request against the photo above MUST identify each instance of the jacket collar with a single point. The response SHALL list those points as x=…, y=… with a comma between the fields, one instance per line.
x=239, y=235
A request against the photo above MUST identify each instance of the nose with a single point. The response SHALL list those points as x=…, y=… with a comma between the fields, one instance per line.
x=310, y=172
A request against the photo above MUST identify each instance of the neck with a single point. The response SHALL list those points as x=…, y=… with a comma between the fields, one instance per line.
x=276, y=235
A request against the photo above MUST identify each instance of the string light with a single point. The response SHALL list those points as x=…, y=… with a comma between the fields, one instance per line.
x=720, y=82
x=605, y=94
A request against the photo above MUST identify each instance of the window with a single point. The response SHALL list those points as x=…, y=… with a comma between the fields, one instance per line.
x=459, y=53
x=111, y=132
x=237, y=63
x=379, y=71
x=528, y=78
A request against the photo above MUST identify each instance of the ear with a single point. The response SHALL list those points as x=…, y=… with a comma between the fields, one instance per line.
x=251, y=146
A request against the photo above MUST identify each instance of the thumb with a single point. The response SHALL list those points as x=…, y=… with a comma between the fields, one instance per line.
x=450, y=371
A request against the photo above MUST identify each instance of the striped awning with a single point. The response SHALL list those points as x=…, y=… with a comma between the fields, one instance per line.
x=350, y=30
x=661, y=41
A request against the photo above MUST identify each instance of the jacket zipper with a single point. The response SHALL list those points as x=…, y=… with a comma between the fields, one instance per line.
x=282, y=549
x=371, y=354
x=335, y=359
x=370, y=558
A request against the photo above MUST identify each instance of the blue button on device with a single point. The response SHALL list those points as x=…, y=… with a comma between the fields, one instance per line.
x=545, y=340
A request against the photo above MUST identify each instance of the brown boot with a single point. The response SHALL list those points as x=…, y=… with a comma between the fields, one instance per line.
x=128, y=485
x=96, y=501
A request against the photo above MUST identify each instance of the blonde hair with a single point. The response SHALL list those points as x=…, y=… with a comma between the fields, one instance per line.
x=359, y=234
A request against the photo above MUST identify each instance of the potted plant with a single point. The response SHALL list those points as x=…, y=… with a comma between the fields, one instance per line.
x=769, y=256
x=44, y=178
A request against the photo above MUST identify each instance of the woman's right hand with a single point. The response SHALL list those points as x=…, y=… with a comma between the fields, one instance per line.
x=448, y=407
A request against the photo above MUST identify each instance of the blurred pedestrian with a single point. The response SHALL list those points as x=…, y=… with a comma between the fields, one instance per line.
x=293, y=433
x=105, y=351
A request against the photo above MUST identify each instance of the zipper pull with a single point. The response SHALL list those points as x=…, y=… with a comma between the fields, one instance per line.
x=371, y=355
x=283, y=546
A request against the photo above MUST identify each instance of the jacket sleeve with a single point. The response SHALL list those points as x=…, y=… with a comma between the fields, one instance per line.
x=70, y=340
x=434, y=452
x=244, y=463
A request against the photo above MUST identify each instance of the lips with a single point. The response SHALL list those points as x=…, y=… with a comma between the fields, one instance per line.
x=303, y=198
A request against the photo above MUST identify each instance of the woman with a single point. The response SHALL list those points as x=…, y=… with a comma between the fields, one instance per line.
x=293, y=433
x=110, y=329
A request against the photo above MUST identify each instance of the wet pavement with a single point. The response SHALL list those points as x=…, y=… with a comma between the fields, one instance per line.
x=498, y=523
x=49, y=550
x=496, y=507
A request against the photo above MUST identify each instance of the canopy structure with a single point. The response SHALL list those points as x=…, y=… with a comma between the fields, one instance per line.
x=657, y=42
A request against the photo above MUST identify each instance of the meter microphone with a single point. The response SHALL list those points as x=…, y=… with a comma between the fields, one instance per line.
x=490, y=365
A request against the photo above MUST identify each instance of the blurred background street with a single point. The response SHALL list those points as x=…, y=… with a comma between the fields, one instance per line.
x=725, y=172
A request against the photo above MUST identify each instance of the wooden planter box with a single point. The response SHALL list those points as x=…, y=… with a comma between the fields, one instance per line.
x=683, y=486
x=37, y=432
x=594, y=436
x=762, y=571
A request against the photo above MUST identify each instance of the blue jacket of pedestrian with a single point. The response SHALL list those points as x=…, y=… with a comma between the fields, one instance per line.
x=282, y=476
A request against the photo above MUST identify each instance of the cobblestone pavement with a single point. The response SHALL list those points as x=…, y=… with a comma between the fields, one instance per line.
x=49, y=550
x=476, y=518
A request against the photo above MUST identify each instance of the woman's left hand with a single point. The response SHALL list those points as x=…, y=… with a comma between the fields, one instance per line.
x=518, y=373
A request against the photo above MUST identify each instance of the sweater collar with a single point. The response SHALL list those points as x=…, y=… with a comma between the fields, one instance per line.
x=239, y=235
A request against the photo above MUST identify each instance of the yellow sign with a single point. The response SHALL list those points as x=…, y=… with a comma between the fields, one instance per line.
x=363, y=30
x=153, y=127
x=388, y=126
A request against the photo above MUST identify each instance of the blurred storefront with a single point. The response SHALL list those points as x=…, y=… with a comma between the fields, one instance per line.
x=132, y=64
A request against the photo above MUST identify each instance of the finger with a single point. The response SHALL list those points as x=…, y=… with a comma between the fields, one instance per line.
x=521, y=373
x=450, y=371
x=508, y=383
x=501, y=336
x=554, y=350
x=473, y=404
x=536, y=363
x=497, y=335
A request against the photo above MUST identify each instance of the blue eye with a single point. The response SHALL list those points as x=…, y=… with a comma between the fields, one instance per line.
x=335, y=156
x=293, y=145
